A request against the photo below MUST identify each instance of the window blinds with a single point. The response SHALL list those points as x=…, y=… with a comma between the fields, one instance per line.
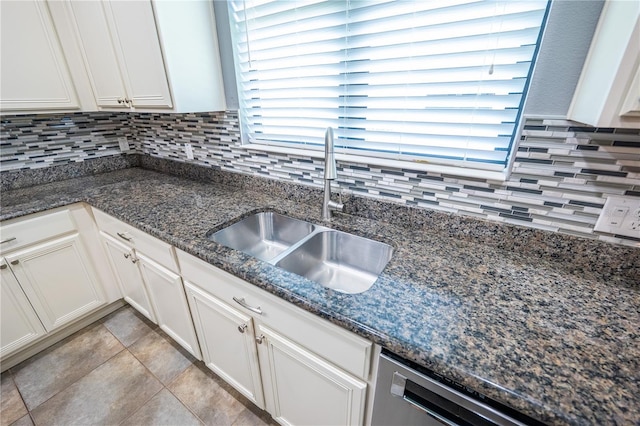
x=439, y=81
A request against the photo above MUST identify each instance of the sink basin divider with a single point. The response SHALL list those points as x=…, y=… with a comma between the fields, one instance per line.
x=318, y=229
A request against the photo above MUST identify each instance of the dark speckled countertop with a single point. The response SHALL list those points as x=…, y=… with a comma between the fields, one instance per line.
x=556, y=342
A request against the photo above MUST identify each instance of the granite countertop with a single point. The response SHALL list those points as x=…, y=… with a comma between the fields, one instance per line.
x=553, y=341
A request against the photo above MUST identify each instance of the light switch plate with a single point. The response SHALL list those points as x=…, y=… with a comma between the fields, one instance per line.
x=621, y=216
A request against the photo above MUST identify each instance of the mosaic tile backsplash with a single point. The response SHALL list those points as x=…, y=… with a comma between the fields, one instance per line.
x=36, y=141
x=562, y=174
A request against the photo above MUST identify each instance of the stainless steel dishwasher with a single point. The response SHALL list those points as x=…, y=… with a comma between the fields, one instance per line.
x=408, y=394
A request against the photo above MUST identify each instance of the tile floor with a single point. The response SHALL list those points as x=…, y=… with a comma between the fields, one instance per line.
x=121, y=370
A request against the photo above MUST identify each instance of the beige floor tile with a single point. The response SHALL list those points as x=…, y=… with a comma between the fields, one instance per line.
x=128, y=325
x=107, y=395
x=23, y=421
x=42, y=376
x=11, y=406
x=164, y=359
x=202, y=394
x=249, y=418
x=162, y=409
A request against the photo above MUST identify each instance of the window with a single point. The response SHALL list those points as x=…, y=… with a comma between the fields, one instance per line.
x=414, y=80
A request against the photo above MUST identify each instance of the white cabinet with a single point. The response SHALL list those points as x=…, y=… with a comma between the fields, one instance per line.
x=57, y=278
x=308, y=370
x=128, y=276
x=34, y=73
x=48, y=278
x=149, y=278
x=148, y=56
x=121, y=51
x=608, y=92
x=20, y=324
x=169, y=303
x=227, y=341
x=305, y=389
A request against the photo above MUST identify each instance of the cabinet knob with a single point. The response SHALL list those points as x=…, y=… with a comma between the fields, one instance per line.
x=259, y=339
x=15, y=262
x=120, y=100
x=242, y=328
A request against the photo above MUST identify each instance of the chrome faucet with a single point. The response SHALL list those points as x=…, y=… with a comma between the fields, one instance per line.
x=329, y=175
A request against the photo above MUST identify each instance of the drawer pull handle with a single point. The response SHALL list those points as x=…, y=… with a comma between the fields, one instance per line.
x=124, y=236
x=3, y=266
x=15, y=262
x=260, y=339
x=7, y=240
x=242, y=303
x=242, y=328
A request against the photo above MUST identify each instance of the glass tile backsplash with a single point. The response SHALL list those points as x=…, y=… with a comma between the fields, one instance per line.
x=562, y=173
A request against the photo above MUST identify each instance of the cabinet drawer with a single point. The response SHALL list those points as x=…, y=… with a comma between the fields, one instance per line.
x=350, y=352
x=24, y=231
x=150, y=246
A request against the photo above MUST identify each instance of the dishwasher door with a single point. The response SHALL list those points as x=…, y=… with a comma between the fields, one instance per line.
x=407, y=397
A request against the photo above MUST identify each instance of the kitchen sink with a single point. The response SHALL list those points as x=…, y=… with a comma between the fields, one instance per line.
x=338, y=260
x=263, y=235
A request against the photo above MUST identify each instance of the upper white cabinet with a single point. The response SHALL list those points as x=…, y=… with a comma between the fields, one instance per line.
x=144, y=55
x=608, y=92
x=34, y=73
x=121, y=51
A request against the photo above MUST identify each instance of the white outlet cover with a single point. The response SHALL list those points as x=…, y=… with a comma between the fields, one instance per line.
x=124, y=144
x=188, y=149
x=621, y=216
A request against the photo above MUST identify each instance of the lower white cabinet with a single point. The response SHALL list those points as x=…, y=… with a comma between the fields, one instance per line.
x=169, y=303
x=148, y=276
x=227, y=341
x=307, y=370
x=304, y=388
x=57, y=279
x=128, y=276
x=20, y=324
x=49, y=277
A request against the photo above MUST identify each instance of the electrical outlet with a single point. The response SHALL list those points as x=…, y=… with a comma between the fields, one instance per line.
x=124, y=144
x=188, y=149
x=620, y=215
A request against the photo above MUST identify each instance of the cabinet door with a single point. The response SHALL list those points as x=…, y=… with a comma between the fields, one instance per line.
x=227, y=342
x=58, y=280
x=34, y=72
x=170, y=303
x=129, y=277
x=98, y=53
x=135, y=37
x=19, y=324
x=303, y=389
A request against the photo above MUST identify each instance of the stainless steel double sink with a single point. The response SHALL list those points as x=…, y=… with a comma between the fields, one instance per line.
x=338, y=260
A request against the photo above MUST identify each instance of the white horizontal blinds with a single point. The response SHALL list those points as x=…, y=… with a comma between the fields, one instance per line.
x=435, y=80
